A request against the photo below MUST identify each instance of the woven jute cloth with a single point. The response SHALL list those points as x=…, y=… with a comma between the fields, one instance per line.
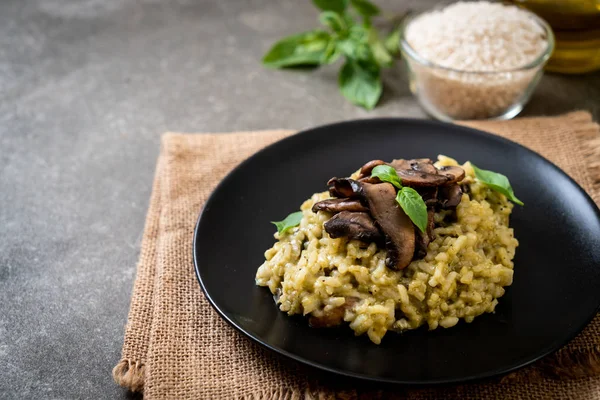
x=177, y=347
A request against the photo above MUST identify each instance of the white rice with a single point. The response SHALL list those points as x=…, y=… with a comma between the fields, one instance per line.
x=474, y=40
x=477, y=36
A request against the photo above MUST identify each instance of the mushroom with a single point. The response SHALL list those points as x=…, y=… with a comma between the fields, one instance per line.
x=333, y=317
x=418, y=173
x=393, y=221
x=453, y=173
x=370, y=179
x=366, y=169
x=339, y=205
x=343, y=187
x=354, y=225
x=423, y=239
x=429, y=195
x=449, y=196
x=421, y=172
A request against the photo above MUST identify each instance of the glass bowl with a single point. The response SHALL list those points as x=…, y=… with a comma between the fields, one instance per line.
x=451, y=94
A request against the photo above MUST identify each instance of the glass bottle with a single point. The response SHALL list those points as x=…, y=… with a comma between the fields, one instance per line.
x=576, y=26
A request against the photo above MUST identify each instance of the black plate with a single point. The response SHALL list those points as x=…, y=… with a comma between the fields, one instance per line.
x=557, y=266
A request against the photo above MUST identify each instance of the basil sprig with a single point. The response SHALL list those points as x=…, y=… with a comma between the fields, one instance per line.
x=303, y=49
x=497, y=182
x=366, y=53
x=289, y=222
x=408, y=198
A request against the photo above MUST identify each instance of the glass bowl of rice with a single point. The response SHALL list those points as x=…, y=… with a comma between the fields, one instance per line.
x=475, y=60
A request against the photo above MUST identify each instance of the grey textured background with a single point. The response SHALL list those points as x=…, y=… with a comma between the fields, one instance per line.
x=86, y=89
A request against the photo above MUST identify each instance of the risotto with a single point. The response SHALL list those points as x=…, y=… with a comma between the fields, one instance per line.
x=463, y=272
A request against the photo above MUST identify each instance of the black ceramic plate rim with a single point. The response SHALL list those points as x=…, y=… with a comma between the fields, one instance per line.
x=485, y=375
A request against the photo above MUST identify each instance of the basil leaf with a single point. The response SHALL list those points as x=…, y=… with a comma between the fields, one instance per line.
x=355, y=50
x=331, y=5
x=380, y=53
x=360, y=83
x=351, y=48
x=355, y=45
x=331, y=54
x=413, y=205
x=392, y=42
x=306, y=48
x=386, y=173
x=333, y=20
x=365, y=8
x=497, y=182
x=289, y=222
x=350, y=21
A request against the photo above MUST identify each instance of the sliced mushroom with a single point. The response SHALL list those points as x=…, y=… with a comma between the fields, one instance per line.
x=339, y=205
x=418, y=173
x=333, y=317
x=423, y=239
x=370, y=179
x=449, y=196
x=343, y=187
x=466, y=188
x=354, y=225
x=453, y=173
x=429, y=195
x=366, y=169
x=424, y=165
x=393, y=221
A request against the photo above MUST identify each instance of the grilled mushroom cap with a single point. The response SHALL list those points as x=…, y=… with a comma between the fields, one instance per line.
x=449, y=196
x=339, y=205
x=454, y=174
x=366, y=169
x=419, y=172
x=344, y=188
x=354, y=225
x=396, y=225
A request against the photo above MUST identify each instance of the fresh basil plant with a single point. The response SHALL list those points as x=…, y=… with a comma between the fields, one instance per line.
x=365, y=52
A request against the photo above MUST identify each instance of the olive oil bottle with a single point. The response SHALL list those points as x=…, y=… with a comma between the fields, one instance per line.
x=576, y=26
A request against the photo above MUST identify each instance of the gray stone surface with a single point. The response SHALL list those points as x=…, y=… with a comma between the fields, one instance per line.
x=86, y=89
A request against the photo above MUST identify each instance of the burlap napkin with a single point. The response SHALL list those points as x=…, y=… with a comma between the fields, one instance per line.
x=177, y=347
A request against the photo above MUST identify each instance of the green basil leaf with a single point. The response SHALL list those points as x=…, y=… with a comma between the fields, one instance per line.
x=386, y=173
x=331, y=5
x=360, y=83
x=289, y=222
x=392, y=42
x=413, y=205
x=354, y=45
x=350, y=21
x=333, y=20
x=497, y=182
x=365, y=8
x=355, y=50
x=331, y=54
x=306, y=48
x=380, y=54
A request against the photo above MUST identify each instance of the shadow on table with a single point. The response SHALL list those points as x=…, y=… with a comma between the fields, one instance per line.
x=133, y=396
